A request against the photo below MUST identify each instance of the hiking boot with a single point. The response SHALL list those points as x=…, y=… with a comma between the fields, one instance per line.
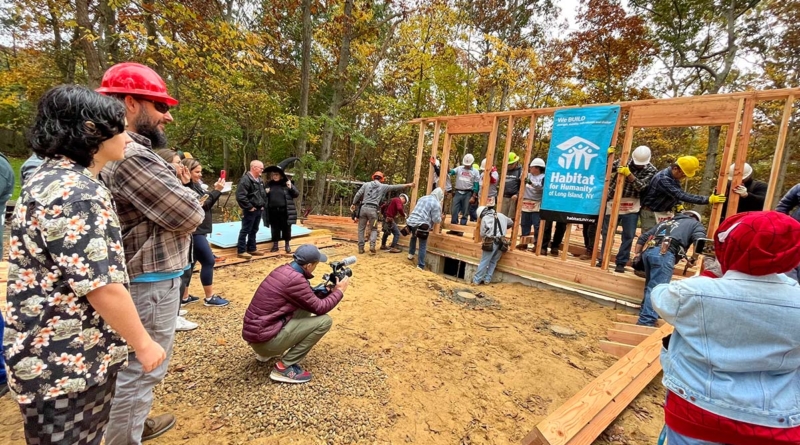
x=245, y=256
x=256, y=253
x=554, y=252
x=182, y=325
x=287, y=249
x=289, y=374
x=360, y=250
x=372, y=250
x=215, y=301
x=191, y=299
x=394, y=250
x=156, y=426
x=585, y=256
x=275, y=248
x=620, y=268
x=384, y=247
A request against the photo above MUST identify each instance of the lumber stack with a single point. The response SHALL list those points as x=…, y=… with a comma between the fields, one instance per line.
x=319, y=238
x=588, y=413
x=626, y=334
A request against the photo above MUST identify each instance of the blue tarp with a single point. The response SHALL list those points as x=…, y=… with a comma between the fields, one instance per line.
x=226, y=234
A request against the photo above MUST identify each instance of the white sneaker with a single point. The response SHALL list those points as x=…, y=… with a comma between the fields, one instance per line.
x=410, y=257
x=182, y=324
x=182, y=312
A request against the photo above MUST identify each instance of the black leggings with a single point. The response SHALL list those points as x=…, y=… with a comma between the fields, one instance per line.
x=279, y=224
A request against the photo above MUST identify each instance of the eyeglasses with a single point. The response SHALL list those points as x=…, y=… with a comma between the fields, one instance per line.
x=161, y=107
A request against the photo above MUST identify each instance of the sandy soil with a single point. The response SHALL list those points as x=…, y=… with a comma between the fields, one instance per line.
x=403, y=363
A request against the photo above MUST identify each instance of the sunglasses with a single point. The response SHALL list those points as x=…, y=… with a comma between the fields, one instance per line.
x=161, y=107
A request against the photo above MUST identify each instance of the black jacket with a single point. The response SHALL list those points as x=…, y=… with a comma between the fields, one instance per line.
x=756, y=194
x=682, y=228
x=213, y=196
x=513, y=182
x=250, y=193
x=290, y=194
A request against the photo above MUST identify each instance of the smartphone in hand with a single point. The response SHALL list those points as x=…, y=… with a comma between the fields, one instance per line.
x=222, y=174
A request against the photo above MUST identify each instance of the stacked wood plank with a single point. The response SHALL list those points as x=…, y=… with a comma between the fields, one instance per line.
x=588, y=413
x=626, y=335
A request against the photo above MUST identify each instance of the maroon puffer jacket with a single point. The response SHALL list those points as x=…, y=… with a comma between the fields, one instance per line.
x=284, y=291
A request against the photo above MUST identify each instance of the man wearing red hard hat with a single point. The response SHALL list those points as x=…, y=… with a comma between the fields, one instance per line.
x=157, y=215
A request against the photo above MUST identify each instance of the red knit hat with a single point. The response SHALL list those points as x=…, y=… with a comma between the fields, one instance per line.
x=758, y=243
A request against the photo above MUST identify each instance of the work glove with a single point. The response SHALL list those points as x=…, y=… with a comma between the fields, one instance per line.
x=679, y=208
x=717, y=199
x=611, y=150
x=625, y=171
x=741, y=191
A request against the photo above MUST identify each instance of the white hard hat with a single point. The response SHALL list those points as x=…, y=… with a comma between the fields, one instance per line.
x=483, y=164
x=693, y=214
x=403, y=196
x=746, y=171
x=641, y=155
x=537, y=162
x=468, y=159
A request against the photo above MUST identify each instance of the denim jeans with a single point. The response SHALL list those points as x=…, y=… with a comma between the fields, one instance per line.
x=658, y=270
x=247, y=234
x=486, y=266
x=460, y=205
x=157, y=304
x=473, y=212
x=423, y=247
x=530, y=219
x=674, y=438
x=394, y=231
x=628, y=223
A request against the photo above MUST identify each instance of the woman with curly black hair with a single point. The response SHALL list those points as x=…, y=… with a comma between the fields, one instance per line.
x=69, y=310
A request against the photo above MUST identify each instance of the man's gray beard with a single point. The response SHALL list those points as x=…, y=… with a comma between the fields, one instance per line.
x=144, y=127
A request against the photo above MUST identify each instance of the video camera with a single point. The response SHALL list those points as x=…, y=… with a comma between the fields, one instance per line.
x=339, y=271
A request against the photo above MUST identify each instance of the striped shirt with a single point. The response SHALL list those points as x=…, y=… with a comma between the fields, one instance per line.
x=157, y=213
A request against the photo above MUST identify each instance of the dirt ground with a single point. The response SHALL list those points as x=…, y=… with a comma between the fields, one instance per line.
x=403, y=363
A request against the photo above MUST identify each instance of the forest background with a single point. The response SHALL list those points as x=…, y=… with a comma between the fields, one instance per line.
x=335, y=81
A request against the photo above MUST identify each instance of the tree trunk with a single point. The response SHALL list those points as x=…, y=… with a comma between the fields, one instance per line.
x=110, y=40
x=787, y=154
x=152, y=35
x=93, y=67
x=710, y=169
x=336, y=101
x=305, y=80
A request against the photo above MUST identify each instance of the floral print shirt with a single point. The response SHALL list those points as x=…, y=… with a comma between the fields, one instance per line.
x=65, y=242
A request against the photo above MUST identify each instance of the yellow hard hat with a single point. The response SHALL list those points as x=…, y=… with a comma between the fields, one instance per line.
x=476, y=166
x=689, y=165
x=512, y=158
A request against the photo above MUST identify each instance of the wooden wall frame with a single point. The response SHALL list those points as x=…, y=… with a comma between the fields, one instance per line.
x=733, y=110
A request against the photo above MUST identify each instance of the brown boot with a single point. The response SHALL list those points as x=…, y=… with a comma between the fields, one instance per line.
x=156, y=426
x=394, y=250
x=586, y=256
x=384, y=247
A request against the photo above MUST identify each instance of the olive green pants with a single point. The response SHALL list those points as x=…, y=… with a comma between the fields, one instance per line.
x=297, y=337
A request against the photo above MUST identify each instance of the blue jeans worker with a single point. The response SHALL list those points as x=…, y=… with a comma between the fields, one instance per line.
x=628, y=223
x=427, y=212
x=660, y=247
x=252, y=198
x=467, y=183
x=493, y=225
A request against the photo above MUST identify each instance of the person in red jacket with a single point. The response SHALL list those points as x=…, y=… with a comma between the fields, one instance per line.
x=391, y=211
x=286, y=318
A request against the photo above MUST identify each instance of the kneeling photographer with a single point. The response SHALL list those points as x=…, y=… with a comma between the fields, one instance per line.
x=287, y=316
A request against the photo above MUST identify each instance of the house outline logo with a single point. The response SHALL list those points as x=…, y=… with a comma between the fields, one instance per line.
x=577, y=149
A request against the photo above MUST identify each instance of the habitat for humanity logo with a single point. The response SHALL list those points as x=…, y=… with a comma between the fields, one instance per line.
x=577, y=153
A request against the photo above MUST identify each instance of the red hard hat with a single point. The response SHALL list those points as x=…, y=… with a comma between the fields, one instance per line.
x=378, y=176
x=137, y=80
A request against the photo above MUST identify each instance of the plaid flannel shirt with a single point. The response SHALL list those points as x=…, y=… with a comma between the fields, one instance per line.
x=157, y=213
x=427, y=211
x=665, y=192
x=632, y=189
